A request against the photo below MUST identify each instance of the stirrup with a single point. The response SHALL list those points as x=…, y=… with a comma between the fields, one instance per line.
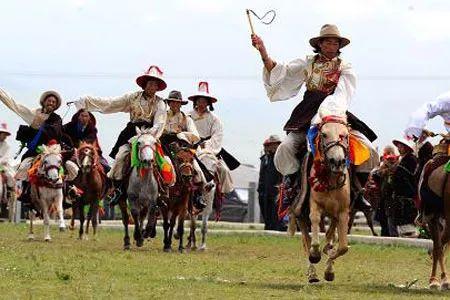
x=114, y=198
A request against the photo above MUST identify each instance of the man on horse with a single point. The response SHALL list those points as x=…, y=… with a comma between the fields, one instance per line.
x=416, y=131
x=43, y=126
x=5, y=166
x=83, y=128
x=146, y=109
x=210, y=129
x=180, y=123
x=330, y=85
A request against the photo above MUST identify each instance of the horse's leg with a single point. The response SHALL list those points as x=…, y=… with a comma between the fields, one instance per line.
x=191, y=238
x=137, y=235
x=314, y=216
x=59, y=203
x=125, y=221
x=368, y=213
x=166, y=226
x=80, y=206
x=46, y=217
x=433, y=226
x=306, y=241
x=342, y=228
x=72, y=218
x=180, y=231
x=330, y=236
x=94, y=216
x=31, y=231
x=351, y=220
x=171, y=227
x=205, y=216
x=445, y=283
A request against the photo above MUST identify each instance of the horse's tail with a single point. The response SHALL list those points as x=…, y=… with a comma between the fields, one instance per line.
x=292, y=225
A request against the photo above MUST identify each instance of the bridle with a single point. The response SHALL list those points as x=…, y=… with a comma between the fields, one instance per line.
x=324, y=148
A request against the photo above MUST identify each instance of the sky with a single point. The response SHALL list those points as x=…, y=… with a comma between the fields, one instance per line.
x=86, y=47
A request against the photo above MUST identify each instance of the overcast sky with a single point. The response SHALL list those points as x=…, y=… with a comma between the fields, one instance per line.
x=399, y=50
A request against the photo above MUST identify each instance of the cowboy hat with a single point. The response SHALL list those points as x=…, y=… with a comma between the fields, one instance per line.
x=273, y=139
x=203, y=91
x=329, y=31
x=47, y=94
x=405, y=142
x=4, y=128
x=176, y=97
x=153, y=73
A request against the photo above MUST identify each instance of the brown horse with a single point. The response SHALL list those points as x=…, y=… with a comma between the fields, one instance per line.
x=92, y=181
x=179, y=195
x=329, y=196
x=434, y=189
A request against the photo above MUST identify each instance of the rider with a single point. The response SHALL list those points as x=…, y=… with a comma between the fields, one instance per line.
x=82, y=128
x=146, y=109
x=5, y=164
x=330, y=85
x=210, y=129
x=416, y=129
x=180, y=123
x=44, y=125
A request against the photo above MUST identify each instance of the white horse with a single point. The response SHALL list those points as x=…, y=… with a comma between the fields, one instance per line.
x=48, y=190
x=210, y=161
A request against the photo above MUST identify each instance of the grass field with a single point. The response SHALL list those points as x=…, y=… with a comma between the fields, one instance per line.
x=243, y=267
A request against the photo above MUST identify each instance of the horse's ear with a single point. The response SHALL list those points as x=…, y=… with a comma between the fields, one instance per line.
x=138, y=131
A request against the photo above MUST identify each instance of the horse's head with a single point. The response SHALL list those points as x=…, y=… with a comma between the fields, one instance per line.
x=184, y=156
x=87, y=156
x=145, y=145
x=334, y=143
x=51, y=163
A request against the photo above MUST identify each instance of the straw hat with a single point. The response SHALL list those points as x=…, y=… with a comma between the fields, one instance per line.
x=405, y=142
x=329, y=31
x=273, y=139
x=203, y=91
x=176, y=97
x=154, y=73
x=4, y=128
x=55, y=94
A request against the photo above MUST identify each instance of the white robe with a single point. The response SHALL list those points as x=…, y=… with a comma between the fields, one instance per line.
x=429, y=110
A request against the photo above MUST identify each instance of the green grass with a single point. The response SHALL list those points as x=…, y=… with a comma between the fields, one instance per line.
x=241, y=267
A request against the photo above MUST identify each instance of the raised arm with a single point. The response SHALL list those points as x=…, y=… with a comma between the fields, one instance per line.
x=22, y=111
x=107, y=105
x=427, y=111
x=337, y=103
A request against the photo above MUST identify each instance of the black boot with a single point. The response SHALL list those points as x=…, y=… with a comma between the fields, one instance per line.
x=115, y=196
x=24, y=197
x=198, y=201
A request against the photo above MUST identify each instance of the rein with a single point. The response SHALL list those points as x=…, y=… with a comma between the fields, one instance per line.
x=322, y=174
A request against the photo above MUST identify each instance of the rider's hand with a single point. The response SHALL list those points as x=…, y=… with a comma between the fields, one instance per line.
x=258, y=43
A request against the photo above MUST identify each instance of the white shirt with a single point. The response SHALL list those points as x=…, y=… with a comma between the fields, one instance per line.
x=209, y=125
x=5, y=155
x=285, y=80
x=418, y=119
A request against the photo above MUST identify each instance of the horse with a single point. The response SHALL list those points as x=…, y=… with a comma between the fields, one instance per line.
x=434, y=189
x=141, y=188
x=179, y=195
x=92, y=181
x=47, y=188
x=212, y=193
x=329, y=194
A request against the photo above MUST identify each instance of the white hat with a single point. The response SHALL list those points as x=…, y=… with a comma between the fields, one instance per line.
x=4, y=128
x=203, y=91
x=155, y=73
x=47, y=94
x=404, y=142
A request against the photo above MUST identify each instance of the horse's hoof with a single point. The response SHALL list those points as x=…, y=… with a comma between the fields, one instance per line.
x=140, y=243
x=313, y=279
x=176, y=236
x=62, y=229
x=328, y=276
x=434, y=283
x=31, y=237
x=152, y=233
x=167, y=249
x=48, y=239
x=445, y=285
x=201, y=248
x=126, y=247
x=71, y=227
x=181, y=250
